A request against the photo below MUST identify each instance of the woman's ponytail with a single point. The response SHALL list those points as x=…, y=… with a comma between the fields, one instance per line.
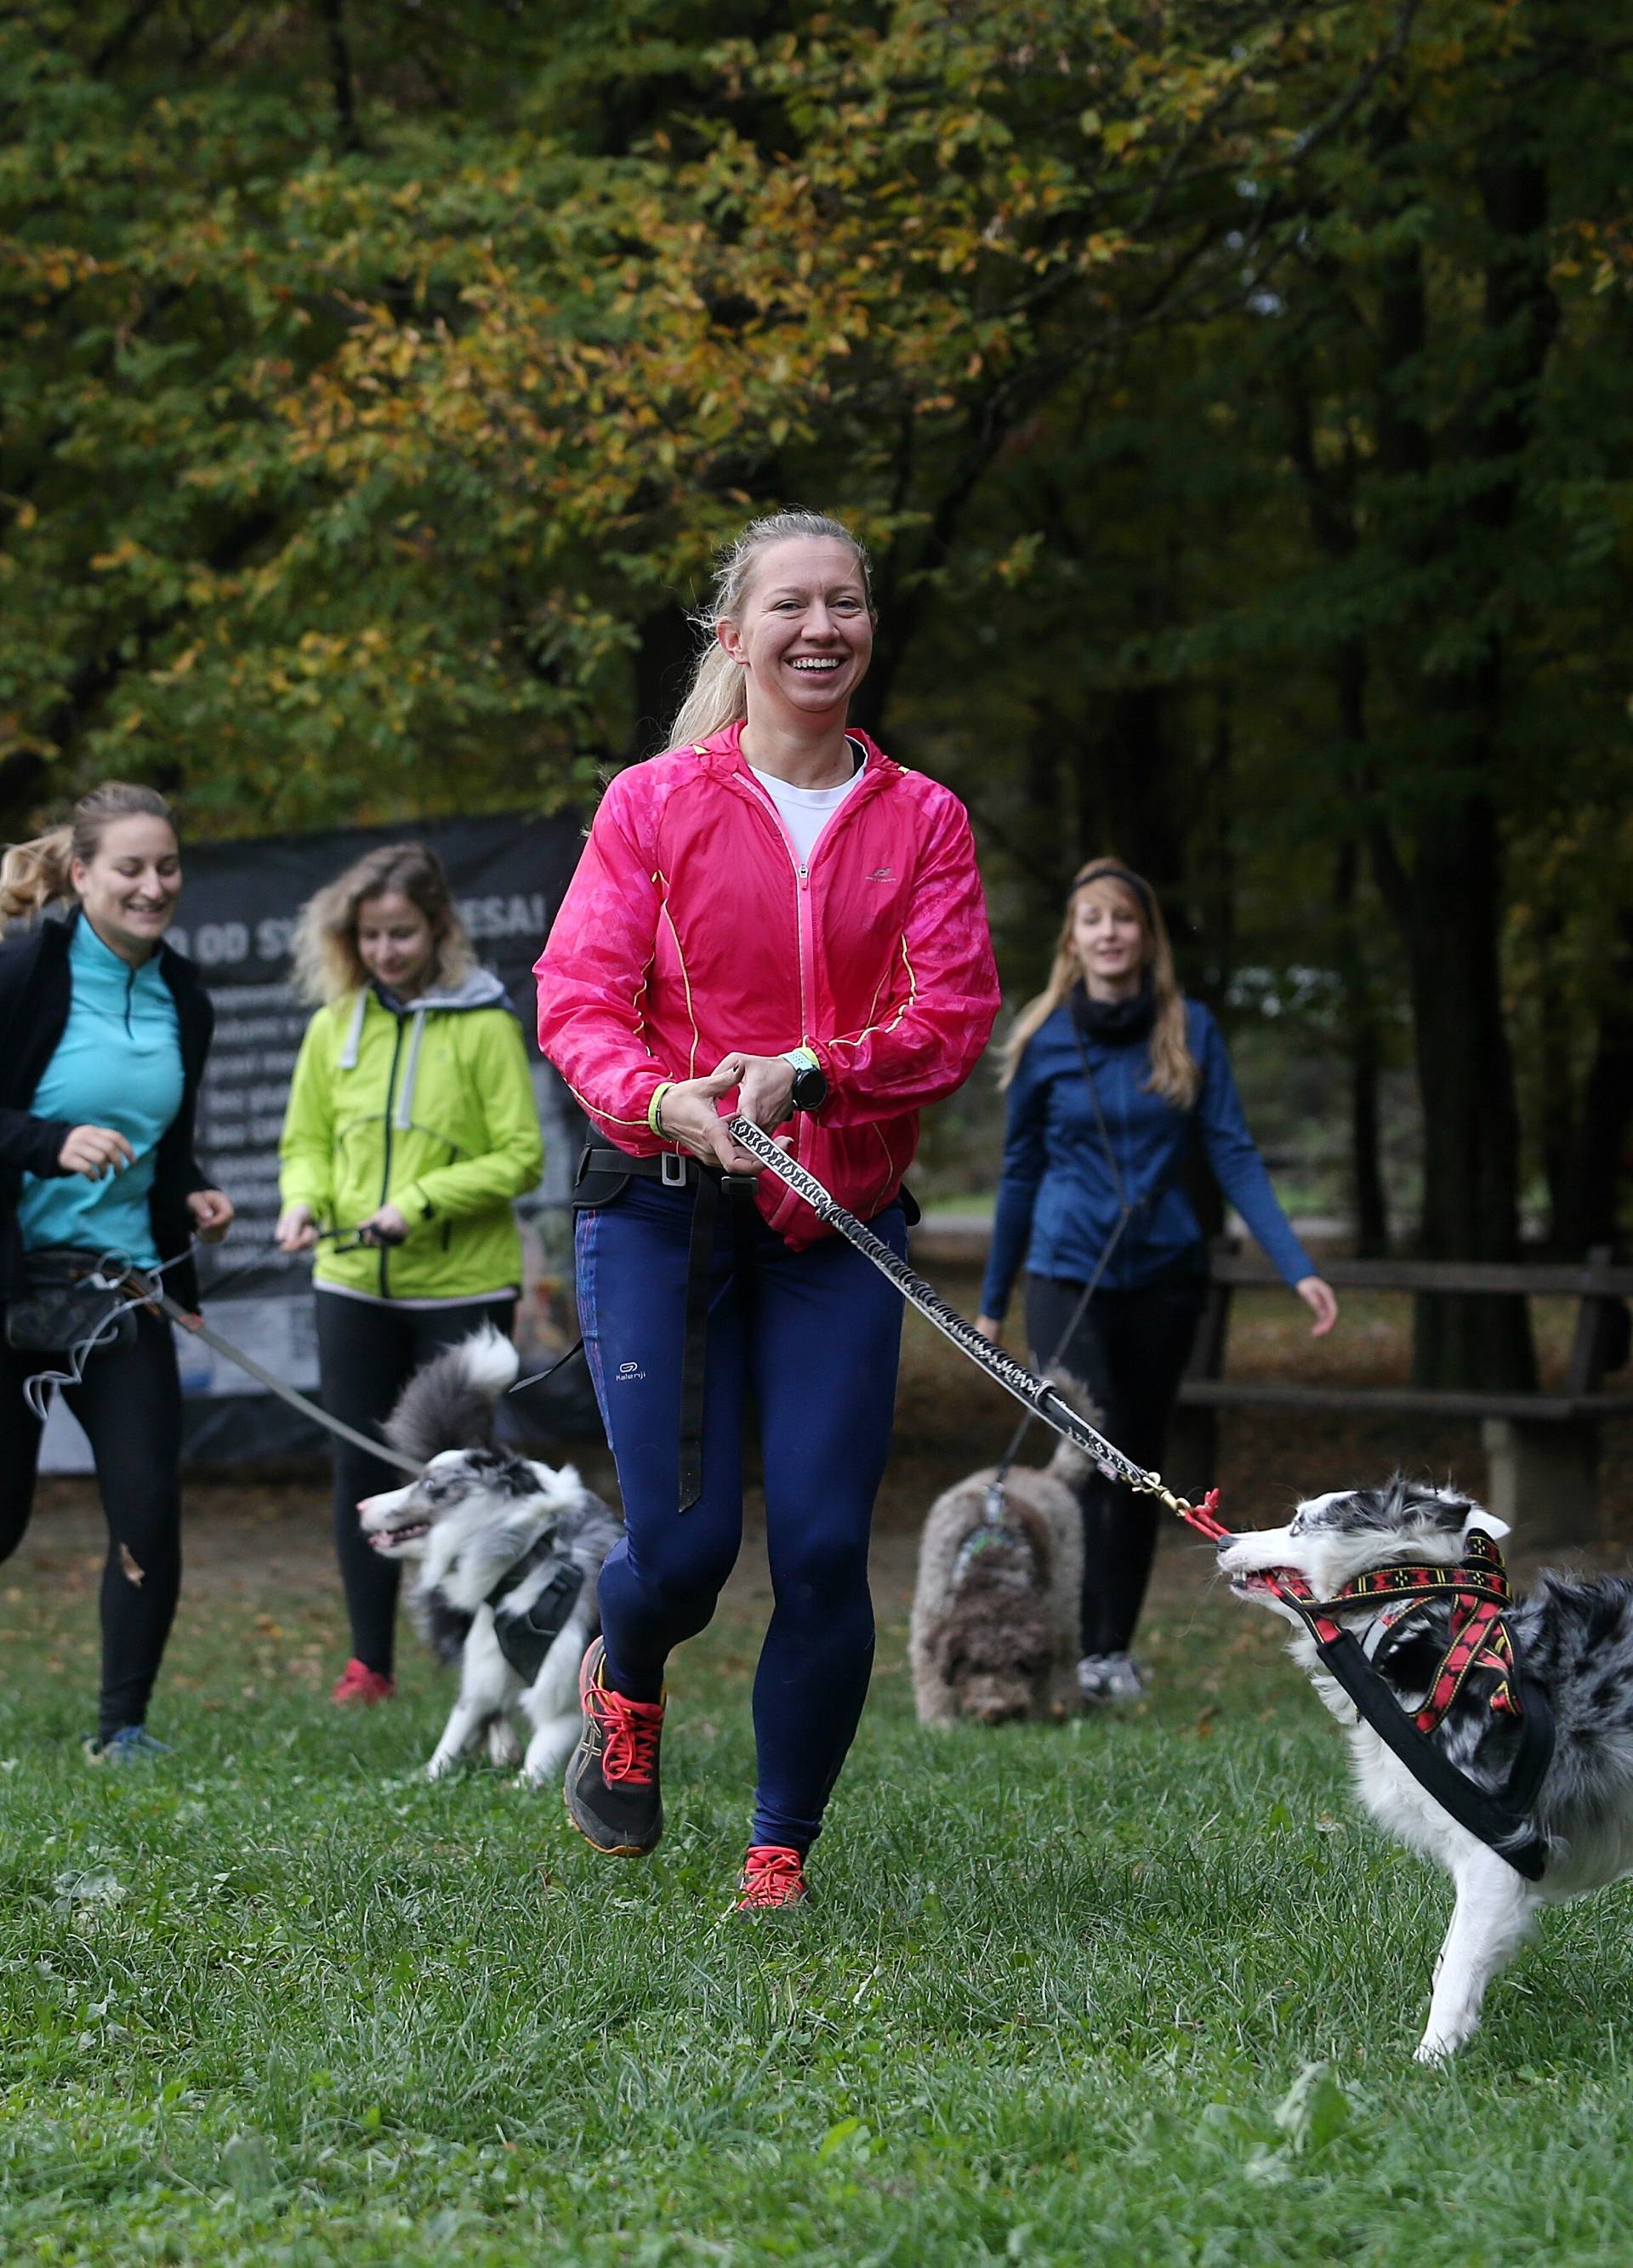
x=717, y=697
x=36, y=874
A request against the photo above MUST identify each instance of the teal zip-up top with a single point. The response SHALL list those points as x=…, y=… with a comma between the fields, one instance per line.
x=118, y=1063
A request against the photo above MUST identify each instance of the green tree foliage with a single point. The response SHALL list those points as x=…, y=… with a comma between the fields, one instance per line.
x=1230, y=391
x=377, y=391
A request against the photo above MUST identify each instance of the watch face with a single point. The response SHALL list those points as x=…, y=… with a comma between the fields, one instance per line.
x=810, y=1088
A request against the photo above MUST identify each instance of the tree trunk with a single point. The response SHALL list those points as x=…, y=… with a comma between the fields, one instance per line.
x=1599, y=1158
x=1471, y=1121
x=664, y=655
x=1448, y=899
x=1363, y=1048
x=1556, y=1110
x=1132, y=804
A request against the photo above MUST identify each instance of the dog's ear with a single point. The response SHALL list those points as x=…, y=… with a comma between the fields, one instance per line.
x=1448, y=1512
x=1407, y=1505
x=1487, y=1522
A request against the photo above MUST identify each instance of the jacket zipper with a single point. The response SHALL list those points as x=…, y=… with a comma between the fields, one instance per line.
x=391, y=1097
x=804, y=956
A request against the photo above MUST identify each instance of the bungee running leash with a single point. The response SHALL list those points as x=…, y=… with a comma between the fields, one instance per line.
x=1481, y=1643
x=116, y=1271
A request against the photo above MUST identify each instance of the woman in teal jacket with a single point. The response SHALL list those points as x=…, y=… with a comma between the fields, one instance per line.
x=411, y=1128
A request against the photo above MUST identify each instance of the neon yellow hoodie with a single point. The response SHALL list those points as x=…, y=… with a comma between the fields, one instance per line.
x=430, y=1108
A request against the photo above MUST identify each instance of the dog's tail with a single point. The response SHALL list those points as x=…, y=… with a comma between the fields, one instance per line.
x=449, y=1402
x=1070, y=1465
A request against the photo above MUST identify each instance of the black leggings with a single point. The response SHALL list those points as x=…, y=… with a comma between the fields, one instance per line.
x=129, y=1405
x=1129, y=1351
x=366, y=1355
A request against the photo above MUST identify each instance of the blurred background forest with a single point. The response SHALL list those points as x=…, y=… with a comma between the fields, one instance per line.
x=1235, y=397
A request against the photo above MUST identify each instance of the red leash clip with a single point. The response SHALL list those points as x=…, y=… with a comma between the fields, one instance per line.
x=1204, y=1517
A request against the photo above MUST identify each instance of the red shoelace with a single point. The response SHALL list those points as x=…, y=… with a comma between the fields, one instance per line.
x=772, y=1876
x=633, y=1728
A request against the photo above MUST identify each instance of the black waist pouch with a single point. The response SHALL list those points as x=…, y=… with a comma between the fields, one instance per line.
x=65, y=1300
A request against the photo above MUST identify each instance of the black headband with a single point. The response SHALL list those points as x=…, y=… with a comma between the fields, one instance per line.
x=1107, y=870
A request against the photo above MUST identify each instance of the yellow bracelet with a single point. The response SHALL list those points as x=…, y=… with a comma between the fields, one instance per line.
x=655, y=1105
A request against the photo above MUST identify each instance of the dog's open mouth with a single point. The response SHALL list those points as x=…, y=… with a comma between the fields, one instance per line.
x=1255, y=1582
x=410, y=1532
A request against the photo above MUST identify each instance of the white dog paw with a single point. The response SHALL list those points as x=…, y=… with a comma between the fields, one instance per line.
x=1437, y=2047
x=439, y=1767
x=503, y=1747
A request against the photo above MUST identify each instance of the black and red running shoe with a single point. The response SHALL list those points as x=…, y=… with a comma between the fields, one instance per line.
x=612, y=1791
x=773, y=1875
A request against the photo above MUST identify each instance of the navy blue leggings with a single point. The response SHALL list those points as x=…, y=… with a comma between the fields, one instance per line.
x=813, y=1336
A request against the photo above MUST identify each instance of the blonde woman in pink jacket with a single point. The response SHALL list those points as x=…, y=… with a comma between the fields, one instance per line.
x=771, y=916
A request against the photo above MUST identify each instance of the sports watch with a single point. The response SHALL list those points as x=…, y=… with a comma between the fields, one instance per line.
x=810, y=1088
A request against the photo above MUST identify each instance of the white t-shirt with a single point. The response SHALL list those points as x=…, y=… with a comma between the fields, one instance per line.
x=806, y=811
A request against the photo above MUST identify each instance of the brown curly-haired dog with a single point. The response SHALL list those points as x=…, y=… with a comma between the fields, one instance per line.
x=996, y=1608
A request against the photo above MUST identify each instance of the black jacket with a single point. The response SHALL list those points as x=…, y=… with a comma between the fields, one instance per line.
x=36, y=992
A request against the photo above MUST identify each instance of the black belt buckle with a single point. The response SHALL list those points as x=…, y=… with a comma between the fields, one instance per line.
x=672, y=1170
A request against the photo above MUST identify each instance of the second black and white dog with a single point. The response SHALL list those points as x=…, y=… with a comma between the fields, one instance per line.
x=1574, y=1639
x=510, y=1553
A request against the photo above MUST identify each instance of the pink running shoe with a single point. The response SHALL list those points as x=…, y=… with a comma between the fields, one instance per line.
x=359, y=1682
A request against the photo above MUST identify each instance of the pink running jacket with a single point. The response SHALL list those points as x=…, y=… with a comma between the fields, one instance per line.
x=691, y=929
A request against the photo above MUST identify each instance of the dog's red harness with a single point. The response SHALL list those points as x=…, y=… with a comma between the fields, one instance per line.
x=1480, y=1649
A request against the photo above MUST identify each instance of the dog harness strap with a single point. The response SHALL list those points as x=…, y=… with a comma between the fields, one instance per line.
x=524, y=1639
x=1479, y=1643
x=1499, y=1821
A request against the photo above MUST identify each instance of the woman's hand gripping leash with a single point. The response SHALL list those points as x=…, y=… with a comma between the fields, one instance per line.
x=685, y=1110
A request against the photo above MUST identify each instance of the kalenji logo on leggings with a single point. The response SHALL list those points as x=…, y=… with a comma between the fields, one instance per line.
x=629, y=1372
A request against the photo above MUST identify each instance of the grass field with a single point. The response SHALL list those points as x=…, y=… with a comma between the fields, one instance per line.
x=1117, y=1992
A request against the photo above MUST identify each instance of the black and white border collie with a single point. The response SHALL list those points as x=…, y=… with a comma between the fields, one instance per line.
x=472, y=1517
x=1573, y=1638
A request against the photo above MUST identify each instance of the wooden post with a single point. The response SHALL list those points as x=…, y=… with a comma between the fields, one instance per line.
x=1543, y=1479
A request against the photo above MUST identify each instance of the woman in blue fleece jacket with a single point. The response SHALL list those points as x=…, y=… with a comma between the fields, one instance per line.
x=1107, y=1070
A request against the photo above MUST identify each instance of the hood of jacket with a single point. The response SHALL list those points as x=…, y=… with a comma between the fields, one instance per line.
x=480, y=989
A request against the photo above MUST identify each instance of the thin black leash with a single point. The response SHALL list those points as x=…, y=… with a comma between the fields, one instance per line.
x=993, y=1512
x=537, y=1377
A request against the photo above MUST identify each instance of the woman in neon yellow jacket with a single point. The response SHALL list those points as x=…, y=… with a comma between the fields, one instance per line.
x=411, y=1128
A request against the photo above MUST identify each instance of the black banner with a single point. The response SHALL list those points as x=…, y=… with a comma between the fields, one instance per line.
x=237, y=921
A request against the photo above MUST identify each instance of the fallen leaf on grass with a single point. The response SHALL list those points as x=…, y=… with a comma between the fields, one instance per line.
x=1314, y=2109
x=87, y=1886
